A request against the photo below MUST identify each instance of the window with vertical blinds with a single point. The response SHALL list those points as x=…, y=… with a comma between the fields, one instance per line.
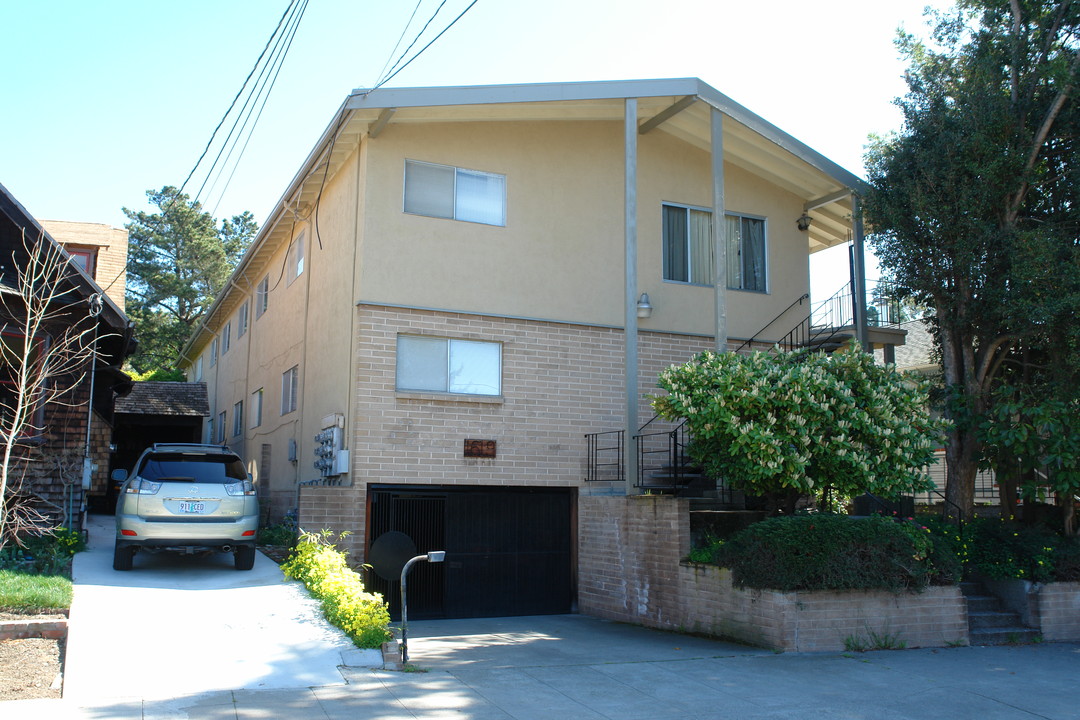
x=454, y=193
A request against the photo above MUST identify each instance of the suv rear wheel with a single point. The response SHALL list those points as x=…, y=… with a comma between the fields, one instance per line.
x=123, y=556
x=244, y=557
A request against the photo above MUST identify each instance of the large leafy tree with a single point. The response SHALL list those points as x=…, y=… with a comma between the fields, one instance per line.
x=974, y=206
x=179, y=259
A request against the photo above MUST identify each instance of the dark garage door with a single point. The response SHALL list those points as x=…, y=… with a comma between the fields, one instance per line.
x=508, y=550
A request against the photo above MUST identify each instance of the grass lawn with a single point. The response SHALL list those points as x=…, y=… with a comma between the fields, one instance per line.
x=24, y=591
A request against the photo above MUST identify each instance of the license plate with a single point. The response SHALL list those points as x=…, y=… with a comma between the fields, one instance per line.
x=192, y=507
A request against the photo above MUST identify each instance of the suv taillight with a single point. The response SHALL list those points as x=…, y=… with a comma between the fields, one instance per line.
x=244, y=487
x=139, y=486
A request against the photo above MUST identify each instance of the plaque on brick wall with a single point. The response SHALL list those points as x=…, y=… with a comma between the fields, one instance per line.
x=479, y=448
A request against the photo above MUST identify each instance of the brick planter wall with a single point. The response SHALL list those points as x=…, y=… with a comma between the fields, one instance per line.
x=1059, y=611
x=23, y=629
x=630, y=570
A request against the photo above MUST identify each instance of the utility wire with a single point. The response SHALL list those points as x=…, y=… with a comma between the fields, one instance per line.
x=421, y=50
x=269, y=85
x=244, y=113
x=233, y=104
x=398, y=43
x=414, y=41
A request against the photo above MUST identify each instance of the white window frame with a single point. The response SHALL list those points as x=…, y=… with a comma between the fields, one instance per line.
x=457, y=201
x=242, y=316
x=213, y=351
x=290, y=381
x=403, y=384
x=296, y=259
x=238, y=418
x=226, y=337
x=262, y=296
x=735, y=265
x=198, y=369
x=256, y=408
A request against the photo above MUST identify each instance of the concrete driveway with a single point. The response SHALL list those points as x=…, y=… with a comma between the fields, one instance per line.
x=176, y=626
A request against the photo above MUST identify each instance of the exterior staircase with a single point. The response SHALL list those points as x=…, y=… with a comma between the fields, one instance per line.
x=990, y=622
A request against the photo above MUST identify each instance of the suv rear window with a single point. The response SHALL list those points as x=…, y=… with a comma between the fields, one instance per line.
x=179, y=467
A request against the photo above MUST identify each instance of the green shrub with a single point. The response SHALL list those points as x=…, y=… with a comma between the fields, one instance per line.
x=1002, y=549
x=836, y=552
x=283, y=533
x=47, y=553
x=322, y=568
x=1067, y=560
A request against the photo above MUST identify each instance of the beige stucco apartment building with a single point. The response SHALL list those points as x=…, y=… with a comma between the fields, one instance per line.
x=445, y=301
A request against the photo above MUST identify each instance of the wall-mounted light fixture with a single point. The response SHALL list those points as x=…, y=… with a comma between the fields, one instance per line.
x=644, y=309
x=804, y=222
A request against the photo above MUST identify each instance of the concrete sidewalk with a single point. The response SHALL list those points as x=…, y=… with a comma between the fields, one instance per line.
x=572, y=667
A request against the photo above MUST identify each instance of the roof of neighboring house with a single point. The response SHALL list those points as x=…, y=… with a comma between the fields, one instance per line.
x=917, y=351
x=165, y=398
x=15, y=225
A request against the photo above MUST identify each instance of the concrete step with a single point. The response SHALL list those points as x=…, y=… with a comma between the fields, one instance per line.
x=983, y=603
x=972, y=587
x=992, y=619
x=1015, y=635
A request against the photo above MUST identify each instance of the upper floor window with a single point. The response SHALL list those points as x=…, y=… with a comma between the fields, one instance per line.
x=85, y=258
x=213, y=352
x=238, y=418
x=226, y=337
x=290, y=380
x=746, y=253
x=452, y=366
x=448, y=192
x=198, y=369
x=221, y=427
x=688, y=248
x=296, y=259
x=242, y=320
x=262, y=296
x=256, y=408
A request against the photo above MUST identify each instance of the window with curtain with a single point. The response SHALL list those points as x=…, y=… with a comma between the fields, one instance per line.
x=745, y=253
x=688, y=248
x=468, y=367
x=454, y=193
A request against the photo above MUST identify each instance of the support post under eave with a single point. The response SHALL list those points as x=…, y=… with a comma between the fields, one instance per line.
x=718, y=225
x=630, y=336
x=858, y=290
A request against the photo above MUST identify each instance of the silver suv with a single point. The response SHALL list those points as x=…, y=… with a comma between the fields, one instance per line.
x=186, y=498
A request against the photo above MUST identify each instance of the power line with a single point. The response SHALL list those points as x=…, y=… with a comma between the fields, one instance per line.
x=421, y=50
x=398, y=43
x=277, y=45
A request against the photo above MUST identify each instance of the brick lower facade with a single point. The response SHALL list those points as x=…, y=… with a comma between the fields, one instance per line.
x=1059, y=611
x=560, y=381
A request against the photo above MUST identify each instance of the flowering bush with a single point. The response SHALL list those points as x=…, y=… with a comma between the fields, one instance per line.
x=317, y=563
x=804, y=423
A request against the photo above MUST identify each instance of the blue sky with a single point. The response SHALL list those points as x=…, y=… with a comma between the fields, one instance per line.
x=105, y=100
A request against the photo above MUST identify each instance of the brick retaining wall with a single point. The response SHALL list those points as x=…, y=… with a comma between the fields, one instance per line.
x=1059, y=611
x=630, y=570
